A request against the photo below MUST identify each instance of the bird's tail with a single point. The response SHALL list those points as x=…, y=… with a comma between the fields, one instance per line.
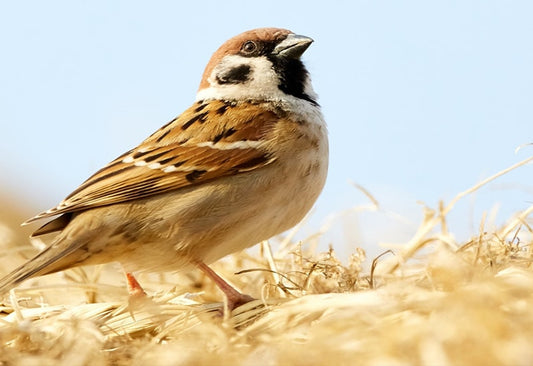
x=50, y=260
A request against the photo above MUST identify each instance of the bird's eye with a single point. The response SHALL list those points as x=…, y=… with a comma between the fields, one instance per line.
x=249, y=47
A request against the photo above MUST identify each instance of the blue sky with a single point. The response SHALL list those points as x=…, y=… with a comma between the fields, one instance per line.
x=423, y=99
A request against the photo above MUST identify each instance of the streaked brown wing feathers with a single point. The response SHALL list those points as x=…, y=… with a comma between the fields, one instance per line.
x=208, y=141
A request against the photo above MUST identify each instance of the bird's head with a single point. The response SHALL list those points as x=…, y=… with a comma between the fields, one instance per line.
x=262, y=64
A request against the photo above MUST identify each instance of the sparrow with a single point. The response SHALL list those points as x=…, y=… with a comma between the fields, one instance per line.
x=245, y=162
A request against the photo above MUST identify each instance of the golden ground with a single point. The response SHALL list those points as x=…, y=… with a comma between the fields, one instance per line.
x=432, y=302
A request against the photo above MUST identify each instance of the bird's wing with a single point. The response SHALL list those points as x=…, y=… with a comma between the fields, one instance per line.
x=208, y=141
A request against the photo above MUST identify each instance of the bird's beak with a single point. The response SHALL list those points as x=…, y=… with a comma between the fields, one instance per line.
x=293, y=46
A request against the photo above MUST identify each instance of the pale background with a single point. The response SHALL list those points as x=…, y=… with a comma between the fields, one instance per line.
x=423, y=99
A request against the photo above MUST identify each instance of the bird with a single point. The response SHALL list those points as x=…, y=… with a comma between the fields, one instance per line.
x=245, y=162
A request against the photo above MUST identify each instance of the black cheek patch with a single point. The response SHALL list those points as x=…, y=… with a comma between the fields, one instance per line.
x=235, y=75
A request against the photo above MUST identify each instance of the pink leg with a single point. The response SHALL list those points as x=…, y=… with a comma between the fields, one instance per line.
x=235, y=298
x=134, y=288
x=137, y=298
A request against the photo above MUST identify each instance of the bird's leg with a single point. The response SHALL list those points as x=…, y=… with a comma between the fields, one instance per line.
x=134, y=288
x=234, y=297
x=137, y=298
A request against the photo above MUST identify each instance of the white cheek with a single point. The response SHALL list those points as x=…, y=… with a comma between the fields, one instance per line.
x=262, y=84
x=264, y=79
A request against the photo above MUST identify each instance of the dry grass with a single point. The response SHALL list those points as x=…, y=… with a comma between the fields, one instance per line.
x=448, y=304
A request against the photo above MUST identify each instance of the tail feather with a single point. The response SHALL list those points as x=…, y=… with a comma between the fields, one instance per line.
x=54, y=258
